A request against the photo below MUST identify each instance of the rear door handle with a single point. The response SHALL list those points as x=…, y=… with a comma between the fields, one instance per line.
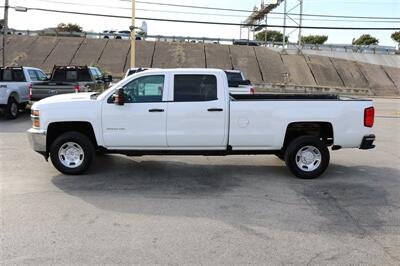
x=215, y=110
x=156, y=110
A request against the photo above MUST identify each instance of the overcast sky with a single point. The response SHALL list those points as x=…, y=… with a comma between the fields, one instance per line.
x=34, y=20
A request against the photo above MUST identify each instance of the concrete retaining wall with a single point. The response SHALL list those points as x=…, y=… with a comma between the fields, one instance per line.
x=260, y=65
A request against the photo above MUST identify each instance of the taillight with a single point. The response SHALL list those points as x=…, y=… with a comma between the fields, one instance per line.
x=252, y=91
x=30, y=91
x=369, y=116
x=77, y=88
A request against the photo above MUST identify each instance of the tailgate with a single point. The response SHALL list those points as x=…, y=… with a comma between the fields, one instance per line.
x=41, y=91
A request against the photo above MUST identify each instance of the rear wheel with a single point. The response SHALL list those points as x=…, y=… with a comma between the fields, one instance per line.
x=12, y=108
x=72, y=153
x=307, y=157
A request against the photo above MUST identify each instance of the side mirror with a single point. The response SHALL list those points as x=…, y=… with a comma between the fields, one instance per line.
x=119, y=97
x=108, y=79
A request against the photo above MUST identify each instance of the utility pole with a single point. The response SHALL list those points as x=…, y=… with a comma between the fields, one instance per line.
x=133, y=36
x=284, y=25
x=5, y=27
x=300, y=23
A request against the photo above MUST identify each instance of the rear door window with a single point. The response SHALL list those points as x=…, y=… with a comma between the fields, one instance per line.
x=195, y=88
x=12, y=75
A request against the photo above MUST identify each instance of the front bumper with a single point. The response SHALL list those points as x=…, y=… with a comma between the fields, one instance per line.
x=37, y=140
x=367, y=142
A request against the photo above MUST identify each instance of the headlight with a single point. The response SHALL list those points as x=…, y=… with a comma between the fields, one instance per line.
x=35, y=118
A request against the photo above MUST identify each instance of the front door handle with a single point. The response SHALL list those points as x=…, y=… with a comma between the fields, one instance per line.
x=156, y=110
x=215, y=110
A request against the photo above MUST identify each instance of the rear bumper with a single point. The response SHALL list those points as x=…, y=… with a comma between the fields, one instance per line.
x=37, y=140
x=367, y=142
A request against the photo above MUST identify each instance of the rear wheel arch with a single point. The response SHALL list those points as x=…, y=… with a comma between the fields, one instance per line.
x=15, y=96
x=322, y=130
x=56, y=129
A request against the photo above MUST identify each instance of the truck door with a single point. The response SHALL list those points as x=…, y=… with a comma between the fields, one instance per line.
x=197, y=116
x=141, y=122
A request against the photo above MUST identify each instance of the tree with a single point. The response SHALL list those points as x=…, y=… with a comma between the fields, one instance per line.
x=365, y=39
x=314, y=39
x=62, y=27
x=272, y=36
x=396, y=37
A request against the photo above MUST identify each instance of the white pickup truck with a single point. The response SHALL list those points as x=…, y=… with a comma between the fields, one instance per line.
x=190, y=112
x=15, y=88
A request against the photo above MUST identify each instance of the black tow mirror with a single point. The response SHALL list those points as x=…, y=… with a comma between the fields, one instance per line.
x=119, y=97
x=108, y=79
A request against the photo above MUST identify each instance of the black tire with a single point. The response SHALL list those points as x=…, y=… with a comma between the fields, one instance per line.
x=316, y=149
x=11, y=108
x=85, y=145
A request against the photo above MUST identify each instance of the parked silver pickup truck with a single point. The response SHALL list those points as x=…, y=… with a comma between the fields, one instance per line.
x=15, y=86
x=70, y=79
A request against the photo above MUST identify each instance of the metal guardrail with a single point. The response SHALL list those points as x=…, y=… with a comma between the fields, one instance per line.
x=368, y=49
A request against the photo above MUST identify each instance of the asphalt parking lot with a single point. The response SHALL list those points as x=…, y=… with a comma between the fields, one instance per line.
x=202, y=210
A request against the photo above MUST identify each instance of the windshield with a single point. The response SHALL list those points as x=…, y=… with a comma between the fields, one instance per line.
x=234, y=76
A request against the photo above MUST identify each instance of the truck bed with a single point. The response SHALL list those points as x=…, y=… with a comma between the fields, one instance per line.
x=313, y=97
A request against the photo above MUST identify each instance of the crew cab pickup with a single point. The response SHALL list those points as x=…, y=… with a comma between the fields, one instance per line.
x=190, y=112
x=70, y=79
x=15, y=85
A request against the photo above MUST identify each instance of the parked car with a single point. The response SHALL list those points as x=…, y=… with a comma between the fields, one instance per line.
x=108, y=34
x=123, y=35
x=246, y=42
x=190, y=112
x=238, y=84
x=15, y=85
x=69, y=79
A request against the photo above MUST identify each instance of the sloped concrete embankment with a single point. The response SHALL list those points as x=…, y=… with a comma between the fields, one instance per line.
x=267, y=68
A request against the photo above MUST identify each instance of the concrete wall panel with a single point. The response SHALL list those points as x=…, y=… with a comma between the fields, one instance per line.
x=394, y=75
x=17, y=49
x=299, y=72
x=271, y=64
x=63, y=53
x=39, y=51
x=89, y=52
x=378, y=80
x=114, y=56
x=218, y=56
x=350, y=73
x=244, y=59
x=144, y=54
x=172, y=55
x=324, y=72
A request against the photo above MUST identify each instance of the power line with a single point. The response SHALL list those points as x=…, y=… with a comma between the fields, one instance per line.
x=209, y=14
x=240, y=10
x=250, y=11
x=207, y=22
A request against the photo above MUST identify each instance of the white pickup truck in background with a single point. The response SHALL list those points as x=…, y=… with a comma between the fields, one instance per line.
x=15, y=88
x=238, y=84
x=190, y=112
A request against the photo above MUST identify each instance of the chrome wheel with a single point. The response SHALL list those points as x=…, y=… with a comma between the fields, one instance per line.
x=308, y=158
x=14, y=109
x=71, y=155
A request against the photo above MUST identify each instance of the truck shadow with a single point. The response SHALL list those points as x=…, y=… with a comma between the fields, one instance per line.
x=344, y=200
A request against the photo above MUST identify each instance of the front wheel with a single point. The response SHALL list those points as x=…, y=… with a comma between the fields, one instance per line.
x=307, y=157
x=72, y=153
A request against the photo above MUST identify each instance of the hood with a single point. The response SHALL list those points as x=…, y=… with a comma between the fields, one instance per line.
x=63, y=98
